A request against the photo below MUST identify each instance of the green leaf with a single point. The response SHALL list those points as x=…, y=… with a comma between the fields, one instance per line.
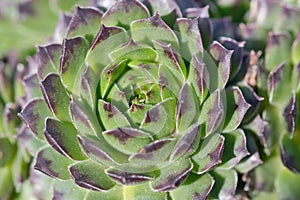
x=235, y=110
x=112, y=194
x=106, y=40
x=65, y=190
x=127, y=140
x=296, y=50
x=90, y=175
x=225, y=183
x=84, y=118
x=153, y=28
x=249, y=163
x=169, y=84
x=85, y=21
x=172, y=176
x=7, y=152
x=190, y=38
x=210, y=153
x=198, y=189
x=289, y=150
x=89, y=83
x=123, y=12
x=63, y=138
x=6, y=183
x=141, y=192
x=56, y=97
x=133, y=51
x=52, y=163
x=34, y=115
x=187, y=108
x=287, y=184
x=110, y=116
x=160, y=120
x=73, y=62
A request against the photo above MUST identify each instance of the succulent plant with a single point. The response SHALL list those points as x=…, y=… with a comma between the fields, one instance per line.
x=144, y=108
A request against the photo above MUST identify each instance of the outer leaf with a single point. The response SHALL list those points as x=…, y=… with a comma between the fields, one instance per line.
x=235, y=148
x=198, y=77
x=250, y=163
x=89, y=83
x=226, y=183
x=63, y=138
x=290, y=115
x=188, y=143
x=106, y=40
x=100, y=151
x=212, y=112
x=127, y=140
x=187, y=108
x=289, y=150
x=210, y=153
x=72, y=62
x=85, y=21
x=259, y=127
x=287, y=184
x=52, y=163
x=123, y=12
x=90, y=175
x=34, y=118
x=6, y=152
x=142, y=191
x=190, y=38
x=223, y=57
x=160, y=120
x=198, y=189
x=236, y=108
x=64, y=190
x=110, y=116
x=48, y=58
x=112, y=194
x=56, y=97
x=84, y=118
x=172, y=176
x=146, y=30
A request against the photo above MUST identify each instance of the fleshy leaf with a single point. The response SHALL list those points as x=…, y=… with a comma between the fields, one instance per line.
x=6, y=152
x=32, y=87
x=280, y=85
x=48, y=58
x=288, y=14
x=106, y=40
x=188, y=143
x=169, y=57
x=73, y=62
x=198, y=77
x=249, y=163
x=110, y=116
x=160, y=120
x=118, y=98
x=223, y=57
x=187, y=108
x=89, y=83
x=64, y=190
x=225, y=183
x=153, y=28
x=210, y=153
x=110, y=74
x=172, y=176
x=90, y=175
x=52, y=163
x=278, y=50
x=290, y=115
x=137, y=112
x=236, y=108
x=197, y=190
x=154, y=153
x=289, y=152
x=133, y=51
x=85, y=21
x=34, y=115
x=123, y=12
x=11, y=120
x=296, y=50
x=190, y=38
x=56, y=97
x=112, y=194
x=63, y=138
x=128, y=178
x=100, y=151
x=127, y=140
x=168, y=83
x=235, y=148
x=84, y=118
x=142, y=191
x=212, y=112
x=287, y=184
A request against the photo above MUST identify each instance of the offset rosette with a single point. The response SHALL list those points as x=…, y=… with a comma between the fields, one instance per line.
x=137, y=109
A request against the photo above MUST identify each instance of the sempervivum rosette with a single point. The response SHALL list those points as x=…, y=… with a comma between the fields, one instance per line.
x=138, y=110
